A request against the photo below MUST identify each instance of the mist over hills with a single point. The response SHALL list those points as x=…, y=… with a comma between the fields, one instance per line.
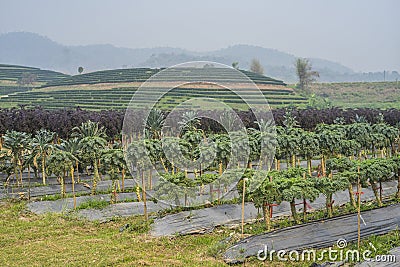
x=30, y=49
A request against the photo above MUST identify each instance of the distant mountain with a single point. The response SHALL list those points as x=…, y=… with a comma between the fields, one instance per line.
x=24, y=48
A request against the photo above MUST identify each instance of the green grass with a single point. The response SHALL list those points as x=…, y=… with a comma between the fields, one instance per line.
x=360, y=94
x=56, y=240
x=80, y=194
x=93, y=204
x=27, y=239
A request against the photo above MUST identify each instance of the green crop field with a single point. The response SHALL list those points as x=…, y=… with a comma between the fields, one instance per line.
x=142, y=74
x=113, y=89
x=118, y=98
x=87, y=91
x=14, y=72
x=360, y=94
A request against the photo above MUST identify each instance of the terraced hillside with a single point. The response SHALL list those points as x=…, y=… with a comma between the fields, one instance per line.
x=14, y=72
x=142, y=74
x=113, y=89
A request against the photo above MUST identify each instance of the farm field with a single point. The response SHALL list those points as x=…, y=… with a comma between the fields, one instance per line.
x=75, y=242
x=77, y=182
x=382, y=95
x=119, y=98
x=199, y=134
x=113, y=89
x=309, y=168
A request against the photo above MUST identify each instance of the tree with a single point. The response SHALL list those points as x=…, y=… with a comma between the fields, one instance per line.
x=89, y=129
x=60, y=163
x=42, y=146
x=156, y=153
x=396, y=161
x=6, y=165
x=91, y=148
x=80, y=70
x=175, y=186
x=235, y=65
x=255, y=66
x=309, y=147
x=27, y=79
x=91, y=142
x=189, y=121
x=266, y=194
x=345, y=167
x=294, y=184
x=267, y=141
x=223, y=148
x=377, y=171
x=17, y=143
x=154, y=123
x=360, y=132
x=328, y=186
x=207, y=178
x=72, y=146
x=330, y=140
x=137, y=155
x=305, y=73
x=228, y=120
x=114, y=161
x=389, y=135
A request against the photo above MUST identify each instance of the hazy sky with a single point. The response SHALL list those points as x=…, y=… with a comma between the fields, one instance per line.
x=364, y=34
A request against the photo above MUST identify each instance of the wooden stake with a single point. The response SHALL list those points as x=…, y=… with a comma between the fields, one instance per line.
x=244, y=192
x=144, y=197
x=123, y=180
x=29, y=182
x=359, y=210
x=304, y=202
x=77, y=171
x=73, y=185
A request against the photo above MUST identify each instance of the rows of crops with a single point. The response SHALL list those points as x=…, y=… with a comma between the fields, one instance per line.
x=14, y=72
x=6, y=90
x=360, y=153
x=118, y=98
x=142, y=74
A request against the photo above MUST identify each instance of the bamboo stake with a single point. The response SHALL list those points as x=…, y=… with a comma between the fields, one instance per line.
x=73, y=185
x=123, y=180
x=77, y=171
x=244, y=192
x=29, y=182
x=358, y=210
x=304, y=202
x=144, y=197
